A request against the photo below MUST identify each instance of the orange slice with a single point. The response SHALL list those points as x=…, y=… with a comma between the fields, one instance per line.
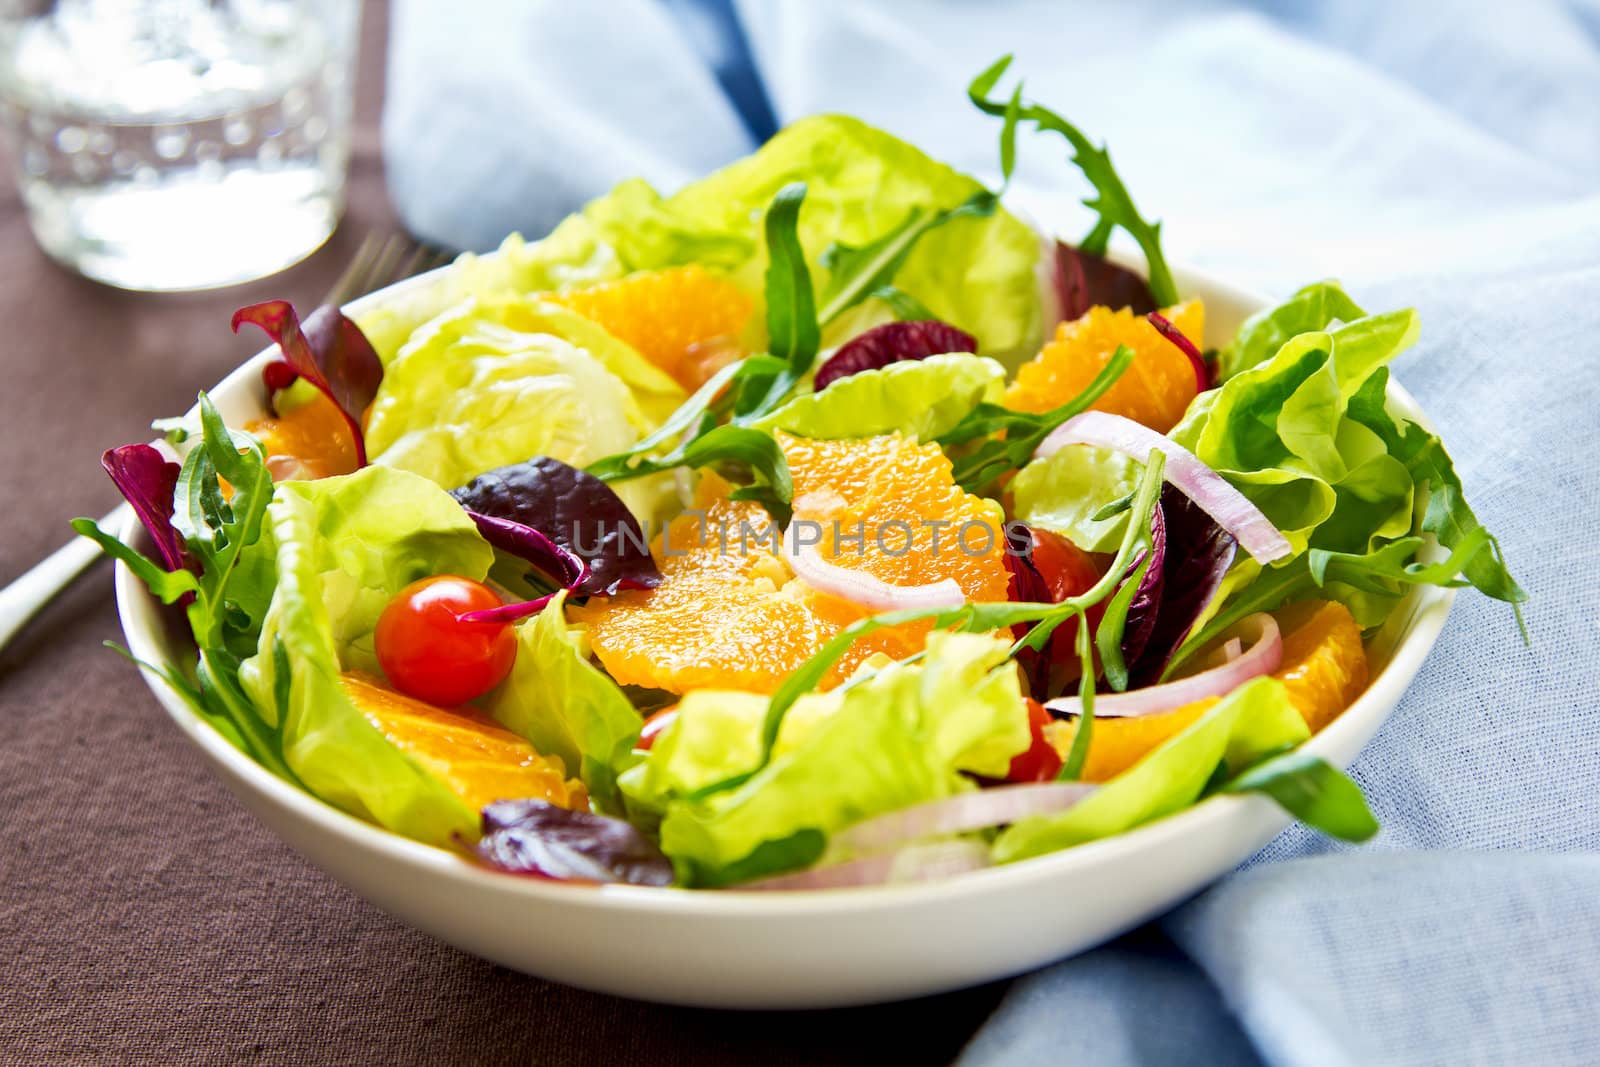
x=311, y=441
x=1154, y=390
x=685, y=320
x=478, y=760
x=729, y=613
x=1117, y=744
x=1324, y=663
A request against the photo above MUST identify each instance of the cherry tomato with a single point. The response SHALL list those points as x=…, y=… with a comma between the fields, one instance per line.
x=1040, y=762
x=429, y=653
x=655, y=726
x=1068, y=570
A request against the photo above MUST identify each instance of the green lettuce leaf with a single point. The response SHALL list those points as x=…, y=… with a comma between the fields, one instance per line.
x=468, y=393
x=564, y=705
x=1064, y=492
x=1281, y=433
x=973, y=272
x=345, y=546
x=1253, y=722
x=1313, y=308
x=574, y=253
x=960, y=709
x=918, y=398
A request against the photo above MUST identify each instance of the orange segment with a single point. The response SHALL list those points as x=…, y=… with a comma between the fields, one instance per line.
x=888, y=507
x=1154, y=390
x=1324, y=663
x=1117, y=744
x=311, y=441
x=685, y=320
x=730, y=614
x=478, y=760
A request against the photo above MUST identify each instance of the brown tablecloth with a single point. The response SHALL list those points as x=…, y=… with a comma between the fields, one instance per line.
x=144, y=916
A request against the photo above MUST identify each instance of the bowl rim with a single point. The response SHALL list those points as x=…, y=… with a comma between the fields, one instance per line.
x=1428, y=606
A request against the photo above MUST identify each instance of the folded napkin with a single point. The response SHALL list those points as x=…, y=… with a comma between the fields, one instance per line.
x=1446, y=158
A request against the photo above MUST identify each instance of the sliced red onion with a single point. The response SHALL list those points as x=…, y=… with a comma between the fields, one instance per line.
x=959, y=814
x=1263, y=657
x=915, y=863
x=1232, y=649
x=1209, y=490
x=862, y=588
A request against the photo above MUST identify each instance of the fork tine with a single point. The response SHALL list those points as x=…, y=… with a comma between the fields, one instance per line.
x=383, y=261
x=351, y=279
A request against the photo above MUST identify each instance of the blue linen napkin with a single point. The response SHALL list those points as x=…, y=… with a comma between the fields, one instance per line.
x=1446, y=158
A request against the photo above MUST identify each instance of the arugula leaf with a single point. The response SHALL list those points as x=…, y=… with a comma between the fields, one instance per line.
x=742, y=454
x=975, y=470
x=222, y=592
x=1111, y=200
x=856, y=273
x=1313, y=791
x=1072, y=767
x=905, y=307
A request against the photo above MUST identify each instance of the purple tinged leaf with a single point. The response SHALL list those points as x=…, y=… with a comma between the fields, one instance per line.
x=891, y=343
x=1029, y=586
x=1198, y=555
x=1144, y=609
x=1202, y=374
x=538, y=838
x=327, y=350
x=1084, y=280
x=556, y=516
x=149, y=481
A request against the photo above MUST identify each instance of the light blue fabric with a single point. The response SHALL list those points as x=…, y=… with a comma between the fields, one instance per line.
x=1441, y=156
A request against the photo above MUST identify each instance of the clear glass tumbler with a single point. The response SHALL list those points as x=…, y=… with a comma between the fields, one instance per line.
x=179, y=144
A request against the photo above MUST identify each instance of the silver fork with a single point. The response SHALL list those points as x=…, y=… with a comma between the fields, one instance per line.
x=378, y=262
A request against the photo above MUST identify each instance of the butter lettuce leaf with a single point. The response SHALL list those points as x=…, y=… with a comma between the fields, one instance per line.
x=566, y=706
x=960, y=709
x=1064, y=492
x=574, y=253
x=920, y=399
x=468, y=393
x=1313, y=308
x=344, y=547
x=1253, y=722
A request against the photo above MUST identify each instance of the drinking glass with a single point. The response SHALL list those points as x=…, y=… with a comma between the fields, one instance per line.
x=179, y=144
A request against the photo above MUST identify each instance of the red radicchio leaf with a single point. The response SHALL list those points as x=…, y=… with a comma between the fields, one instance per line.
x=538, y=838
x=1146, y=603
x=1202, y=377
x=327, y=350
x=1198, y=554
x=564, y=521
x=891, y=343
x=149, y=481
x=1029, y=586
x=1084, y=280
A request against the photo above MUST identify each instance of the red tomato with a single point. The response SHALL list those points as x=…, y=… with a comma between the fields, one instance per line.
x=430, y=654
x=1040, y=762
x=655, y=726
x=1068, y=570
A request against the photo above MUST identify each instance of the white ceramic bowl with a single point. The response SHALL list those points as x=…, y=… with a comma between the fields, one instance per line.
x=786, y=950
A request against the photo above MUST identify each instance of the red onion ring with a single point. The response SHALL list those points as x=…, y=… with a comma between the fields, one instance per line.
x=915, y=863
x=862, y=588
x=959, y=814
x=1209, y=490
x=1264, y=657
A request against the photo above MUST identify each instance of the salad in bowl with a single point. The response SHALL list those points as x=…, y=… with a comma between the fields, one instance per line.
x=819, y=525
